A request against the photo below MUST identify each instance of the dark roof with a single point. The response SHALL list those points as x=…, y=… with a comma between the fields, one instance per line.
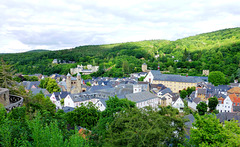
x=234, y=84
x=166, y=90
x=103, y=101
x=98, y=87
x=176, y=78
x=202, y=91
x=156, y=73
x=60, y=95
x=38, y=90
x=227, y=116
x=141, y=82
x=174, y=99
x=28, y=84
x=236, y=108
x=197, y=100
x=140, y=96
x=67, y=109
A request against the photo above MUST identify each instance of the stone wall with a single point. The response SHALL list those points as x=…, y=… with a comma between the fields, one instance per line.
x=4, y=96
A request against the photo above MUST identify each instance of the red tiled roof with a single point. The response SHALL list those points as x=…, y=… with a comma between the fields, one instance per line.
x=221, y=99
x=234, y=99
x=234, y=90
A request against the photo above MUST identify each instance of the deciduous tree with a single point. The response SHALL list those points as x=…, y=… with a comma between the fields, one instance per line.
x=202, y=108
x=217, y=78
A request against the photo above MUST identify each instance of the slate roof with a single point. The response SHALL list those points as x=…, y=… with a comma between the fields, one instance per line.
x=103, y=101
x=98, y=87
x=141, y=82
x=140, y=96
x=174, y=99
x=222, y=88
x=60, y=95
x=38, y=90
x=235, y=84
x=236, y=108
x=166, y=90
x=197, y=100
x=202, y=91
x=28, y=84
x=67, y=109
x=156, y=73
x=176, y=78
x=227, y=116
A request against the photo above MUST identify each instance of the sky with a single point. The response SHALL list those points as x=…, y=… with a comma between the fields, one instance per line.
x=61, y=24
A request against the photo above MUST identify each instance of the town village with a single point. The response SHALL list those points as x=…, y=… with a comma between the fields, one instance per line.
x=155, y=89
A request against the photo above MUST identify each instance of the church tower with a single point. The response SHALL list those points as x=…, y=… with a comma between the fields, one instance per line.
x=68, y=82
x=144, y=67
x=79, y=83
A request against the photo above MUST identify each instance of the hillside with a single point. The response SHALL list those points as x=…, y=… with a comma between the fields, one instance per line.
x=219, y=50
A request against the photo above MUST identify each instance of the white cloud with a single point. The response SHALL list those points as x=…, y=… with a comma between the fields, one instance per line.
x=58, y=24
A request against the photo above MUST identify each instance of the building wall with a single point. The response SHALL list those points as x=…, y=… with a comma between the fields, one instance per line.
x=149, y=78
x=179, y=105
x=226, y=106
x=4, y=96
x=152, y=102
x=175, y=86
x=192, y=105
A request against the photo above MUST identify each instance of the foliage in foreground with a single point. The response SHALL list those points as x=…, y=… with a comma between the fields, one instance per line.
x=208, y=131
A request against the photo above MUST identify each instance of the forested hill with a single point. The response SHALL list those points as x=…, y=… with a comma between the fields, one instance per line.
x=216, y=51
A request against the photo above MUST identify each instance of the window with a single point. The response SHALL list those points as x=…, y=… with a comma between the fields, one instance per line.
x=228, y=106
x=4, y=96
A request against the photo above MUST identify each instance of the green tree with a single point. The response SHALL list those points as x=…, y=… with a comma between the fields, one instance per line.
x=84, y=116
x=208, y=131
x=183, y=94
x=43, y=83
x=144, y=127
x=6, y=75
x=114, y=106
x=217, y=78
x=125, y=66
x=202, y=108
x=52, y=86
x=212, y=103
x=88, y=84
x=141, y=78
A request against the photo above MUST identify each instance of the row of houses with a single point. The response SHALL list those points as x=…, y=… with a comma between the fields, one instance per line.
x=228, y=96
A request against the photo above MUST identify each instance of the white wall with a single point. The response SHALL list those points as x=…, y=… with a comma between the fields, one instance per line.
x=149, y=77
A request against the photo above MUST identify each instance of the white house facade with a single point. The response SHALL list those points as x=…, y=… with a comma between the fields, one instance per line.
x=225, y=105
x=179, y=104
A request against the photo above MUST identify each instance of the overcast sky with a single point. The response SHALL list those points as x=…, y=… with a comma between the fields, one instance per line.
x=60, y=24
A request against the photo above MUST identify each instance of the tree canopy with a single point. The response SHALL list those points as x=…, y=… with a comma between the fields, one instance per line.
x=217, y=78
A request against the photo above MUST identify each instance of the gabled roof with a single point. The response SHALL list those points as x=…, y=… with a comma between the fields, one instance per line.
x=177, y=78
x=227, y=116
x=156, y=73
x=197, y=100
x=174, y=99
x=28, y=84
x=164, y=91
x=38, y=90
x=202, y=91
x=140, y=96
x=60, y=95
x=236, y=108
x=234, y=90
x=67, y=109
x=232, y=97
